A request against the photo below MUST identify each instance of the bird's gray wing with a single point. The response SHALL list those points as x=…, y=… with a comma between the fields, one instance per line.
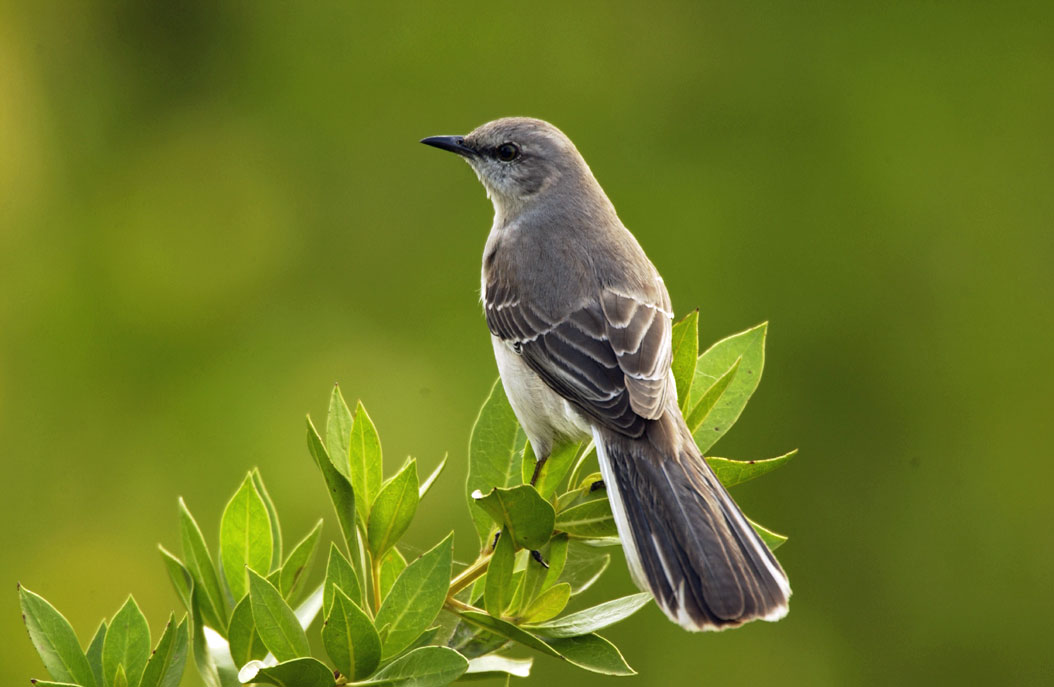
x=610, y=356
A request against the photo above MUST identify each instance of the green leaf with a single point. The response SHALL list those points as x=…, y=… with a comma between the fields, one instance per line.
x=496, y=665
x=748, y=345
x=495, y=453
x=416, y=598
x=392, y=565
x=48, y=683
x=585, y=564
x=272, y=515
x=364, y=458
x=497, y=593
x=592, y=619
x=338, y=432
x=199, y=563
x=548, y=604
x=55, y=640
x=561, y=458
x=429, y=666
x=245, y=642
x=245, y=537
x=180, y=576
x=294, y=571
x=310, y=607
x=275, y=621
x=589, y=520
x=350, y=639
x=165, y=667
x=685, y=338
x=592, y=653
x=120, y=678
x=127, y=643
x=732, y=472
x=216, y=670
x=507, y=630
x=427, y=484
x=393, y=510
x=773, y=540
x=94, y=653
x=528, y=517
x=339, y=573
x=297, y=672
x=340, y=492
x=557, y=558
x=701, y=408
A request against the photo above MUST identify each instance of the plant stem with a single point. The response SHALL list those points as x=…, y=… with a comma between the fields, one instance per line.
x=456, y=606
x=468, y=575
x=375, y=568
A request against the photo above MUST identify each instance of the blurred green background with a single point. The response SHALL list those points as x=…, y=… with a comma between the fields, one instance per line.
x=210, y=212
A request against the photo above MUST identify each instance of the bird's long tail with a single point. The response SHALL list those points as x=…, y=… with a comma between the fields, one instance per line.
x=685, y=539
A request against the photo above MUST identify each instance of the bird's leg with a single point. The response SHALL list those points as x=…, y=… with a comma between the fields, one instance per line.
x=538, y=468
x=597, y=486
x=537, y=555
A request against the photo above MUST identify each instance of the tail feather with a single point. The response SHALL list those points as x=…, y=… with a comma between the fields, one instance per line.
x=685, y=539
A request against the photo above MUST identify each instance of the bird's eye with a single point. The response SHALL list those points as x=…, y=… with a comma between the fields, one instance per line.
x=507, y=152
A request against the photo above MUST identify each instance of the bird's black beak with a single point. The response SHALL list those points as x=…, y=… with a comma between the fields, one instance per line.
x=455, y=144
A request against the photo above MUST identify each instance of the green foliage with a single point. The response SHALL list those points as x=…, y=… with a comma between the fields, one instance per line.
x=389, y=621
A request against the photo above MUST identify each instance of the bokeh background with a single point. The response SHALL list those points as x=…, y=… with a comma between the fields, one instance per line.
x=212, y=211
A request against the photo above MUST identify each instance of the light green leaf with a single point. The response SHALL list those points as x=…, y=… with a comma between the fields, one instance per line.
x=393, y=510
x=528, y=517
x=701, y=408
x=586, y=462
x=585, y=564
x=94, y=653
x=429, y=666
x=589, y=520
x=556, y=559
x=732, y=472
x=553, y=471
x=338, y=432
x=199, y=563
x=685, y=337
x=341, y=494
x=507, y=630
x=165, y=667
x=495, y=454
x=350, y=638
x=592, y=653
x=339, y=573
x=180, y=576
x=212, y=668
x=593, y=619
x=773, y=540
x=275, y=621
x=392, y=565
x=245, y=642
x=55, y=640
x=127, y=643
x=272, y=515
x=297, y=672
x=548, y=604
x=498, y=590
x=310, y=607
x=427, y=484
x=294, y=571
x=496, y=665
x=365, y=461
x=245, y=537
x=750, y=347
x=416, y=598
x=120, y=678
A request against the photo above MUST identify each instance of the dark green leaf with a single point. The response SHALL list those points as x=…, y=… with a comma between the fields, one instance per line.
x=592, y=653
x=245, y=537
x=393, y=510
x=427, y=484
x=127, y=643
x=340, y=492
x=338, y=432
x=245, y=642
x=275, y=621
x=364, y=458
x=508, y=631
x=589, y=520
x=585, y=564
x=495, y=665
x=497, y=593
x=165, y=667
x=773, y=540
x=94, y=653
x=685, y=338
x=495, y=453
x=416, y=598
x=548, y=604
x=750, y=347
x=55, y=640
x=593, y=619
x=339, y=573
x=429, y=666
x=199, y=563
x=732, y=472
x=392, y=565
x=350, y=638
x=528, y=517
x=297, y=672
x=272, y=514
x=180, y=576
x=294, y=570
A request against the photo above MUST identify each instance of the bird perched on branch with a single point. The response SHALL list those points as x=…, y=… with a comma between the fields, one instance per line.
x=580, y=322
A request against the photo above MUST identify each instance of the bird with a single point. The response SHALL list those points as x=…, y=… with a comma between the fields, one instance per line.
x=580, y=323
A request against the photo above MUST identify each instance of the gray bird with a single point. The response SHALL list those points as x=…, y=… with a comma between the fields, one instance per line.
x=580, y=323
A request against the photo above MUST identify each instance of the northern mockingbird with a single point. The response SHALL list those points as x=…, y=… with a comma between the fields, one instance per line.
x=580, y=324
